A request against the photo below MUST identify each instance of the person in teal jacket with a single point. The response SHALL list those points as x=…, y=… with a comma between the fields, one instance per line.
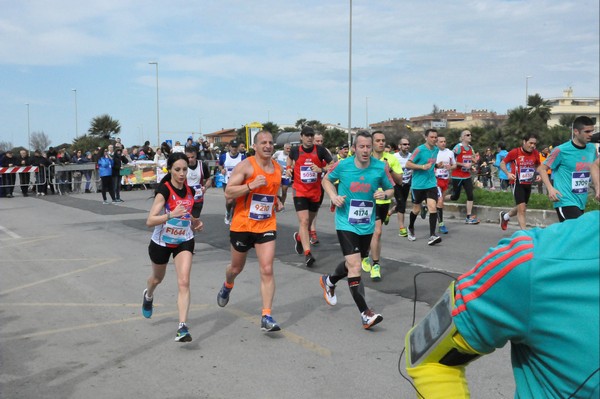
x=539, y=291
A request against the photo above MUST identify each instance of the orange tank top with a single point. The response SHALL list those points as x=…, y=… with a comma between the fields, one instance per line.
x=255, y=211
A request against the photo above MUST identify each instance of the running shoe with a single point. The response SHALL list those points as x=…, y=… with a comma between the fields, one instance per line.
x=434, y=240
x=268, y=324
x=114, y=202
x=309, y=260
x=299, y=248
x=183, y=334
x=370, y=318
x=443, y=228
x=411, y=234
x=403, y=232
x=223, y=296
x=387, y=219
x=147, y=306
x=366, y=265
x=105, y=202
x=328, y=292
x=314, y=240
x=226, y=220
x=503, y=222
x=423, y=211
x=472, y=220
x=376, y=272
x=332, y=207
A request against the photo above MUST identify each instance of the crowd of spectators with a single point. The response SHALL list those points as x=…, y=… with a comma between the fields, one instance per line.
x=50, y=179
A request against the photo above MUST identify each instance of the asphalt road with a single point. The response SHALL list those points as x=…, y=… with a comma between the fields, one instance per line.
x=72, y=275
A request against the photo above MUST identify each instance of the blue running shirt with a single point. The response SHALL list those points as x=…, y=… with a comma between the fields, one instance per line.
x=423, y=179
x=571, y=173
x=539, y=290
x=358, y=185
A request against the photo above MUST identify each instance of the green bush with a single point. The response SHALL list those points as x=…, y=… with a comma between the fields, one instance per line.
x=505, y=199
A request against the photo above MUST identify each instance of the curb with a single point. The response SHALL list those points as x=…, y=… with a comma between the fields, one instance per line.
x=490, y=214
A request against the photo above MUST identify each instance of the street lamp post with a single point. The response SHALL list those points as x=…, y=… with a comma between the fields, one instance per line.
x=527, y=89
x=350, y=79
x=367, y=113
x=76, y=124
x=28, y=132
x=157, y=108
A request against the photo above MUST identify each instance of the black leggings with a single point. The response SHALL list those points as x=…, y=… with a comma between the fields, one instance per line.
x=107, y=185
x=456, y=186
x=401, y=195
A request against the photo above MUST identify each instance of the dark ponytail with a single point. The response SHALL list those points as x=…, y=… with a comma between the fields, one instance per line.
x=173, y=157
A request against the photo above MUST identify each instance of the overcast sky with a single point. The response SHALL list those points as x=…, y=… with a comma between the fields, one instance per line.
x=222, y=64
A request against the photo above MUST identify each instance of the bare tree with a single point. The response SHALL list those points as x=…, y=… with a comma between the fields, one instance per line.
x=39, y=141
x=5, y=146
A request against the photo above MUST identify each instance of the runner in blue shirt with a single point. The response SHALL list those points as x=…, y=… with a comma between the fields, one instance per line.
x=424, y=184
x=573, y=164
x=537, y=290
x=359, y=177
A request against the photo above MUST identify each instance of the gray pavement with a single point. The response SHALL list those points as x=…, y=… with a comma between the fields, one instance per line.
x=72, y=275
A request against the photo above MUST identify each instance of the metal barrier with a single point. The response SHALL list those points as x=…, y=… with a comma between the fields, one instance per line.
x=65, y=178
x=11, y=177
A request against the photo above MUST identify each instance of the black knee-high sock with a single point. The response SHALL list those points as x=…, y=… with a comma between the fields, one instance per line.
x=341, y=271
x=354, y=285
x=440, y=212
x=412, y=217
x=432, y=223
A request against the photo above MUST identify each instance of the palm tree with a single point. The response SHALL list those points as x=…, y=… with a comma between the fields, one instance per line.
x=567, y=120
x=539, y=107
x=104, y=126
x=518, y=121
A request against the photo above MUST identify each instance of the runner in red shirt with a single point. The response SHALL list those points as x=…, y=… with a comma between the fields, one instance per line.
x=308, y=161
x=525, y=160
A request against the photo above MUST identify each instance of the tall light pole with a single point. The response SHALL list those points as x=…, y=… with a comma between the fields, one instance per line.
x=157, y=109
x=76, y=124
x=28, y=132
x=367, y=113
x=350, y=80
x=527, y=89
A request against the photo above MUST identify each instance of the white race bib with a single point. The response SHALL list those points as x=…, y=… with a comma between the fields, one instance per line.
x=580, y=182
x=307, y=175
x=467, y=161
x=198, y=192
x=261, y=206
x=175, y=231
x=526, y=175
x=442, y=173
x=360, y=211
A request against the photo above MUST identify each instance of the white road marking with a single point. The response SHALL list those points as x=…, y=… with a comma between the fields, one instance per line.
x=10, y=233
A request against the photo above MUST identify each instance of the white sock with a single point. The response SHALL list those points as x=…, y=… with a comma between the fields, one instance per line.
x=148, y=298
x=506, y=216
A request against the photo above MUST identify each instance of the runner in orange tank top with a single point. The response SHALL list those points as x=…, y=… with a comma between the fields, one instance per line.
x=254, y=184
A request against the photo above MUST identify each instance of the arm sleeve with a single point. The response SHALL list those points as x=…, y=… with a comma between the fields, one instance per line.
x=511, y=156
x=387, y=182
x=553, y=161
x=334, y=173
x=493, y=299
x=324, y=154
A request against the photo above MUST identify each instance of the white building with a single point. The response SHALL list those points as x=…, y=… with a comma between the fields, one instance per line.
x=570, y=105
